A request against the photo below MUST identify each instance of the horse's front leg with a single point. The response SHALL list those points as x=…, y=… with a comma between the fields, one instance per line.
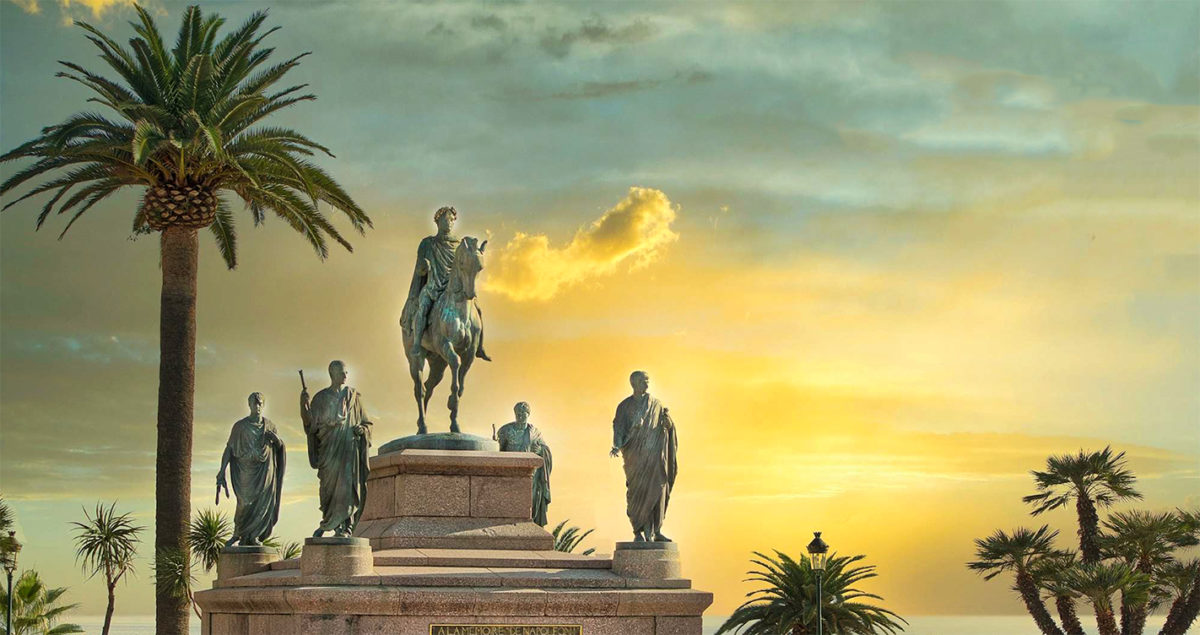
x=416, y=364
x=453, y=361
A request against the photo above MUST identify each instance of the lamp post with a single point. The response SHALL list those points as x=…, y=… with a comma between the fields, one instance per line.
x=817, y=552
x=8, y=553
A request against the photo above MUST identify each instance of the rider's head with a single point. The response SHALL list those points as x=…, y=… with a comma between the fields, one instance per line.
x=521, y=410
x=445, y=218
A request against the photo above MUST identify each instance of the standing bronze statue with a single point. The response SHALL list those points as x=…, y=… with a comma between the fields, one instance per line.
x=441, y=320
x=339, y=435
x=522, y=436
x=644, y=436
x=256, y=459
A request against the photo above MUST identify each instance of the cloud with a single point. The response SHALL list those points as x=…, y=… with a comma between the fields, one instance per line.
x=597, y=90
x=97, y=7
x=636, y=230
x=595, y=30
x=29, y=6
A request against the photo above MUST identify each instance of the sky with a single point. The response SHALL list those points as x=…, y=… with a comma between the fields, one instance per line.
x=879, y=259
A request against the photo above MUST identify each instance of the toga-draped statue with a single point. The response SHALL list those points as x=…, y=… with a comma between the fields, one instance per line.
x=339, y=435
x=522, y=436
x=256, y=459
x=644, y=436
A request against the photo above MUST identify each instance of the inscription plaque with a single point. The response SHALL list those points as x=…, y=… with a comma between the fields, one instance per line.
x=505, y=629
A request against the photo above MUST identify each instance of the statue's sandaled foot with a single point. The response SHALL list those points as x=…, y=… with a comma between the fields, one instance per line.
x=660, y=537
x=318, y=533
x=638, y=537
x=231, y=542
x=252, y=542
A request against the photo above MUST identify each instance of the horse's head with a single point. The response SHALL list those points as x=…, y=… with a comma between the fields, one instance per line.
x=468, y=262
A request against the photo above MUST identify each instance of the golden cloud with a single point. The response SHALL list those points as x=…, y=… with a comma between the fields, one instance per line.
x=28, y=6
x=635, y=231
x=97, y=7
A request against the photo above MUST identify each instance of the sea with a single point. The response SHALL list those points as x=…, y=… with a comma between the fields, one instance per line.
x=917, y=625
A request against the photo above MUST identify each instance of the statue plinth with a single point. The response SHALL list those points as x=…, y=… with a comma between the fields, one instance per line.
x=452, y=499
x=647, y=560
x=335, y=558
x=440, y=441
x=238, y=561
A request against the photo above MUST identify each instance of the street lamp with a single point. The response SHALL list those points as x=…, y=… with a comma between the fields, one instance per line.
x=8, y=554
x=817, y=552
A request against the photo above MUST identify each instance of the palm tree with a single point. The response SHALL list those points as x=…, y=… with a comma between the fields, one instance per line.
x=36, y=610
x=290, y=550
x=1145, y=541
x=1019, y=552
x=1091, y=479
x=788, y=602
x=1098, y=582
x=106, y=543
x=1186, y=607
x=6, y=517
x=186, y=131
x=207, y=534
x=1050, y=574
x=566, y=539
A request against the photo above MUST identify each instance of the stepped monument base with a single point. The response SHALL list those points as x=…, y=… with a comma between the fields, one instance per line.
x=446, y=546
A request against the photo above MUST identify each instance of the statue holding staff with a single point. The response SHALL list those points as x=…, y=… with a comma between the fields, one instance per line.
x=256, y=459
x=522, y=436
x=339, y=435
x=644, y=436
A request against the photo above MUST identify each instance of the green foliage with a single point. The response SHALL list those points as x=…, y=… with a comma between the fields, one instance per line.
x=787, y=602
x=1097, y=476
x=106, y=543
x=1099, y=582
x=208, y=532
x=1015, y=552
x=7, y=518
x=36, y=608
x=174, y=574
x=189, y=116
x=566, y=539
x=290, y=550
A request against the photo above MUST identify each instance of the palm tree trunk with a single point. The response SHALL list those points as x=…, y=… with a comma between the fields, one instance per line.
x=1070, y=618
x=1178, y=622
x=112, y=603
x=176, y=388
x=1105, y=622
x=1033, y=602
x=1089, y=529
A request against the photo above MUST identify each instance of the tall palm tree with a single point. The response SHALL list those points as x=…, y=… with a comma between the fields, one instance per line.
x=1098, y=582
x=1019, y=552
x=207, y=534
x=1186, y=607
x=1091, y=479
x=106, y=544
x=788, y=601
x=185, y=130
x=1145, y=541
x=7, y=518
x=1050, y=574
x=36, y=610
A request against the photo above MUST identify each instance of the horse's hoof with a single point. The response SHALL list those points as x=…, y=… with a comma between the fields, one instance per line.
x=454, y=428
x=421, y=429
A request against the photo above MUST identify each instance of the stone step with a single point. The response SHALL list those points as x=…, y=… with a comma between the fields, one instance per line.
x=514, y=559
x=474, y=577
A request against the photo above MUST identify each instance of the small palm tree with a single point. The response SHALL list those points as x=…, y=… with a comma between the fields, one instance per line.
x=1098, y=583
x=106, y=544
x=185, y=130
x=1050, y=573
x=36, y=610
x=566, y=539
x=1145, y=541
x=289, y=550
x=207, y=534
x=7, y=518
x=1019, y=552
x=1091, y=479
x=788, y=601
x=174, y=572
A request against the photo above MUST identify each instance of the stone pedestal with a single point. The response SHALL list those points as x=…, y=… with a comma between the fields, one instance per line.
x=647, y=560
x=239, y=561
x=446, y=545
x=335, y=558
x=447, y=499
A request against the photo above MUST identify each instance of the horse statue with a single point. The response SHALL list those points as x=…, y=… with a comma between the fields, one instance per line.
x=453, y=335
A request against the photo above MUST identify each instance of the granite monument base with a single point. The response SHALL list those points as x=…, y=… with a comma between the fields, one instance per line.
x=452, y=551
